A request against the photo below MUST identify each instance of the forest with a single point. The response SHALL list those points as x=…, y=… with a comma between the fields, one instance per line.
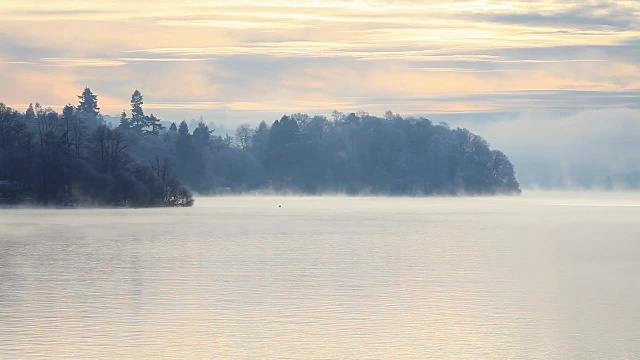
x=76, y=157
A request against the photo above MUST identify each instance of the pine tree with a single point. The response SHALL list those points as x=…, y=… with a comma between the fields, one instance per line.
x=125, y=122
x=69, y=118
x=202, y=135
x=183, y=130
x=30, y=114
x=184, y=151
x=155, y=125
x=88, y=103
x=138, y=120
x=260, y=142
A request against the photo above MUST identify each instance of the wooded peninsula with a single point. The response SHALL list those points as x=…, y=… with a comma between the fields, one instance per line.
x=76, y=157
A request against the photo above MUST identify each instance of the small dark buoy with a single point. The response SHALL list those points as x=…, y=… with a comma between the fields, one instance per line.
x=279, y=206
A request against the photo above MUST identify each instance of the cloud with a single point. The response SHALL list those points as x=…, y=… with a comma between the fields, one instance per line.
x=106, y=62
x=31, y=82
x=49, y=13
x=583, y=16
x=82, y=62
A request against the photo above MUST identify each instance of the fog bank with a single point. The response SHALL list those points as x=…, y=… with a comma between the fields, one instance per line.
x=586, y=149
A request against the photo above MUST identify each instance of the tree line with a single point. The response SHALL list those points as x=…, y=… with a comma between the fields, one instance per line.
x=74, y=157
x=143, y=162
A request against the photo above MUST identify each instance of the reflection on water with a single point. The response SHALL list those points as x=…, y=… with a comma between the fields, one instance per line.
x=320, y=278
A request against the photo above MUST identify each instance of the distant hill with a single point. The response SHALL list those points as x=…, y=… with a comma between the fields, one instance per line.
x=114, y=121
x=111, y=120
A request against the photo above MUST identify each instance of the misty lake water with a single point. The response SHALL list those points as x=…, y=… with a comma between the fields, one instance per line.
x=544, y=275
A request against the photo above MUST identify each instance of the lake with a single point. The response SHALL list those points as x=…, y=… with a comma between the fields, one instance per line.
x=540, y=276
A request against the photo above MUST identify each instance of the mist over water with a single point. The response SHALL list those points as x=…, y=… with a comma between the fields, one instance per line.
x=587, y=149
x=543, y=275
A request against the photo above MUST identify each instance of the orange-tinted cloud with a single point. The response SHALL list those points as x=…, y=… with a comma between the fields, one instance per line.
x=272, y=56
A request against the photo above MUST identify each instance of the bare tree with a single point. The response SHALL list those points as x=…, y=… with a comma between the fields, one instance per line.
x=337, y=115
x=362, y=114
x=79, y=136
x=47, y=122
x=12, y=129
x=173, y=194
x=111, y=146
x=244, y=135
x=389, y=115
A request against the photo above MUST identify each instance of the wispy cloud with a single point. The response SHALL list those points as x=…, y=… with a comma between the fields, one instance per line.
x=106, y=62
x=599, y=15
x=245, y=58
x=82, y=62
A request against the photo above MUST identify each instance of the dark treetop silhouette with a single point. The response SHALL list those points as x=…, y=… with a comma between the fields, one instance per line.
x=52, y=158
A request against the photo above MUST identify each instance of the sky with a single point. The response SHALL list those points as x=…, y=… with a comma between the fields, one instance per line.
x=502, y=67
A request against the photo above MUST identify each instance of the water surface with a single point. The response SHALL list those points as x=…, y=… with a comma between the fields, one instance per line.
x=545, y=275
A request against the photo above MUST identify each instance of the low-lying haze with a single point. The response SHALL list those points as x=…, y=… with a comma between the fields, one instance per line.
x=585, y=149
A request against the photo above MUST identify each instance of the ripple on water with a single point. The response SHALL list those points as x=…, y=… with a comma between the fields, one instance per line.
x=323, y=278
